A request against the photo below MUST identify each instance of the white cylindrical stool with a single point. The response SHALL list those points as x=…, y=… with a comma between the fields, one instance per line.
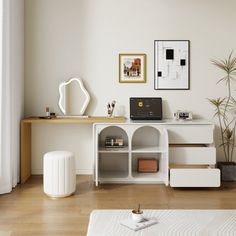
x=59, y=177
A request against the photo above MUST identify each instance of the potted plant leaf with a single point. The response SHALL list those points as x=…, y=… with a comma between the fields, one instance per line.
x=225, y=109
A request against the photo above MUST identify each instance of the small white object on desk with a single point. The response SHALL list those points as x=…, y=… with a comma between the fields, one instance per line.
x=183, y=115
x=110, y=108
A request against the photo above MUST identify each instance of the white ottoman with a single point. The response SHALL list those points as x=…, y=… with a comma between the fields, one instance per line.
x=59, y=177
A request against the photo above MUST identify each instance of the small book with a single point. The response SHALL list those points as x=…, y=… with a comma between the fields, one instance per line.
x=129, y=223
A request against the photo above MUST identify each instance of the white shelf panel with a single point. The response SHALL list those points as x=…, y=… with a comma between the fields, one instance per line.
x=148, y=149
x=112, y=174
x=157, y=177
x=139, y=175
x=113, y=150
x=147, y=181
x=131, y=181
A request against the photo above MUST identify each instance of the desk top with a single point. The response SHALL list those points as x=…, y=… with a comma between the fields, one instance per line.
x=107, y=120
x=82, y=120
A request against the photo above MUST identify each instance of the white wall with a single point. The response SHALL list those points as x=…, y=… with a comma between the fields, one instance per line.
x=65, y=38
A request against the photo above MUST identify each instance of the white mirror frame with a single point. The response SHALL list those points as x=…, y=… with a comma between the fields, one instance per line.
x=85, y=92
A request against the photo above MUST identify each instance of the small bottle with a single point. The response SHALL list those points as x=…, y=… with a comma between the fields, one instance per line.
x=47, y=112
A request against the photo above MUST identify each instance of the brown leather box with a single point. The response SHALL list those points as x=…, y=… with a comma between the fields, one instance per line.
x=148, y=165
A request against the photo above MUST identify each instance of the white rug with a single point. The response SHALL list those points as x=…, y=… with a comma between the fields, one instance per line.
x=170, y=222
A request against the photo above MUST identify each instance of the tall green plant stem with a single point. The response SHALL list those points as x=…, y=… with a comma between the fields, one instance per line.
x=227, y=102
x=226, y=121
x=222, y=133
x=225, y=117
x=232, y=148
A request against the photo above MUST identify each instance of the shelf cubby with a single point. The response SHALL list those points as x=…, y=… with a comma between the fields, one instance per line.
x=160, y=175
x=150, y=143
x=112, y=131
x=113, y=165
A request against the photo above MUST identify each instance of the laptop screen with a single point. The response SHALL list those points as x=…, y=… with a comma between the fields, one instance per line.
x=146, y=108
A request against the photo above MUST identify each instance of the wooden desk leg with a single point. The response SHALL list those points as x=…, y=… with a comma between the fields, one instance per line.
x=25, y=160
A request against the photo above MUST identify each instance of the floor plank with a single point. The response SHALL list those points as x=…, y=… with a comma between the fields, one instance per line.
x=28, y=211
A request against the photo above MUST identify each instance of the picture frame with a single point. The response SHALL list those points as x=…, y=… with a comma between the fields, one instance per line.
x=132, y=68
x=171, y=64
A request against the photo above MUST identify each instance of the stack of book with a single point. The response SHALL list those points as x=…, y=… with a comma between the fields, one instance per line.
x=112, y=141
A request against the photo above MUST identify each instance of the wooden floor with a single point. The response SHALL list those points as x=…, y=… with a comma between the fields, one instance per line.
x=27, y=211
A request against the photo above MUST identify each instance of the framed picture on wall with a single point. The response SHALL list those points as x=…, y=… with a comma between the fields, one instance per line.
x=171, y=65
x=132, y=68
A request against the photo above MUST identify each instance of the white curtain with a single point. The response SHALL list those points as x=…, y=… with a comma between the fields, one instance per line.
x=1, y=75
x=11, y=91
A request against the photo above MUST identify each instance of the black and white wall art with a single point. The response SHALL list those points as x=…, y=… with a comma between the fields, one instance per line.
x=171, y=64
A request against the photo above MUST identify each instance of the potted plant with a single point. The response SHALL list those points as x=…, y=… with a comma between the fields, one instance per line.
x=137, y=214
x=225, y=112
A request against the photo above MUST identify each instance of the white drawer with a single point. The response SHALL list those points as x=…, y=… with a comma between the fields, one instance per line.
x=190, y=133
x=195, y=177
x=192, y=155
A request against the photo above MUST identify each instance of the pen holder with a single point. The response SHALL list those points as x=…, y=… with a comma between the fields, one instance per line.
x=110, y=108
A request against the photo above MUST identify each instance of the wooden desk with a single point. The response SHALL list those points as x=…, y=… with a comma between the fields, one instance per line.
x=25, y=161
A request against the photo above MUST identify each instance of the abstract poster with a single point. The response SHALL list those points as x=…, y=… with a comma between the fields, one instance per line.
x=171, y=64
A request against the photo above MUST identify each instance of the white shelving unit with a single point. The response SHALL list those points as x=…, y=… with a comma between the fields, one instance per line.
x=119, y=165
x=185, y=151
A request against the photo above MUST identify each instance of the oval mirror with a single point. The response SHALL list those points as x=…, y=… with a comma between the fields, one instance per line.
x=74, y=98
